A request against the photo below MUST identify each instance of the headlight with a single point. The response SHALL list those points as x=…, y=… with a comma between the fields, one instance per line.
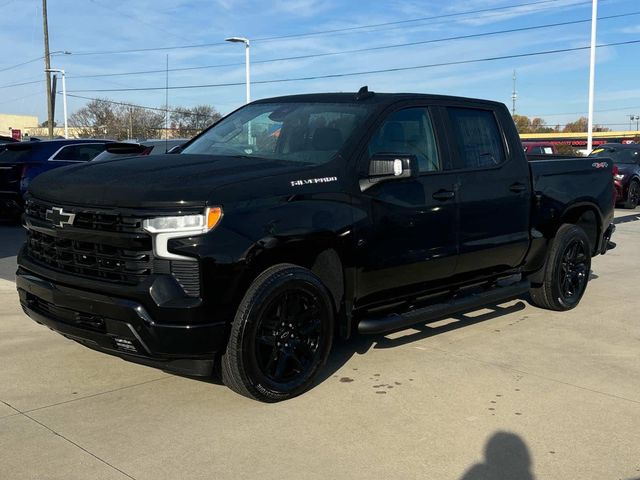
x=164, y=229
x=619, y=176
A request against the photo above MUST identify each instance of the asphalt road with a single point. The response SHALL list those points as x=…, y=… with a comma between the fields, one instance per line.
x=509, y=392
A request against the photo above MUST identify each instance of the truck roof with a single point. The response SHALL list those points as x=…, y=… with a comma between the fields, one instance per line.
x=372, y=97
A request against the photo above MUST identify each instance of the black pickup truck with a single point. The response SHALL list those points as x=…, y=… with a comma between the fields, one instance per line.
x=296, y=219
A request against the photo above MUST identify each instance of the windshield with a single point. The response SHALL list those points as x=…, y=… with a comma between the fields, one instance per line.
x=296, y=132
x=623, y=155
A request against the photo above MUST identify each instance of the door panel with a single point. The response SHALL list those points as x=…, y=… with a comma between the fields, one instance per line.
x=408, y=238
x=494, y=194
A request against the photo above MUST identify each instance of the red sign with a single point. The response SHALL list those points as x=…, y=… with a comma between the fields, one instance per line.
x=16, y=134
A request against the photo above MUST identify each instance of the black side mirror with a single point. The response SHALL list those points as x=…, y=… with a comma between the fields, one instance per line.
x=176, y=149
x=384, y=167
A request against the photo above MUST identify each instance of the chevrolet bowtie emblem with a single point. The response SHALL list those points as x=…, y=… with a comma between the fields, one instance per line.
x=59, y=217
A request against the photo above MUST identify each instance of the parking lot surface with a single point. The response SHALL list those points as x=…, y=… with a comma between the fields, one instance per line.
x=511, y=392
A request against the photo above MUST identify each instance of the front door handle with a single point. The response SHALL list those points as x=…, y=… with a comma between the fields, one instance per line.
x=444, y=195
x=518, y=187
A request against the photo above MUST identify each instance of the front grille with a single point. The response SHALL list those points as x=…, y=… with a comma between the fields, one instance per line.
x=105, y=221
x=82, y=250
x=90, y=259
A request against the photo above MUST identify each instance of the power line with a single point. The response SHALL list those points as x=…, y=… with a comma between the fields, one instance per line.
x=21, y=84
x=362, y=50
x=333, y=31
x=127, y=104
x=584, y=113
x=368, y=72
x=21, y=64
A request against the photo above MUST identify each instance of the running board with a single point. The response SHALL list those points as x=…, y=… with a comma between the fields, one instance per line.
x=397, y=321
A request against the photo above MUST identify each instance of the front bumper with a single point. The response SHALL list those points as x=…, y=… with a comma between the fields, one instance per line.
x=121, y=327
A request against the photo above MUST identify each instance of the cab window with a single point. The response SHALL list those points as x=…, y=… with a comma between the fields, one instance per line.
x=478, y=138
x=409, y=131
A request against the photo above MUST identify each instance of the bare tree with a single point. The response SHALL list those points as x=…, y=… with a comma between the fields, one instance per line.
x=102, y=118
x=189, y=121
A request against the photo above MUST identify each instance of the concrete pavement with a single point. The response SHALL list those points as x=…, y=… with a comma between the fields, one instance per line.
x=514, y=389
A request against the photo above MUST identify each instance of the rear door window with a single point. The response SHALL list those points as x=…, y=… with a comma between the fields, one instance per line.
x=478, y=138
x=83, y=152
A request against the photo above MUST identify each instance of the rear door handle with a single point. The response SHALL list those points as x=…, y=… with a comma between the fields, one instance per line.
x=444, y=195
x=518, y=187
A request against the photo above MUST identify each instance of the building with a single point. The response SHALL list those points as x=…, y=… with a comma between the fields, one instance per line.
x=17, y=125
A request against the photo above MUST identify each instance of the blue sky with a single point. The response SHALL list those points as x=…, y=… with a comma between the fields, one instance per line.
x=551, y=86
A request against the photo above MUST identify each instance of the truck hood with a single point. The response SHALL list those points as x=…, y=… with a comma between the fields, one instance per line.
x=161, y=181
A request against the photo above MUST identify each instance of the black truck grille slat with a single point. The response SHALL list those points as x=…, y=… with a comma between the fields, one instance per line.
x=90, y=259
x=89, y=219
x=129, y=264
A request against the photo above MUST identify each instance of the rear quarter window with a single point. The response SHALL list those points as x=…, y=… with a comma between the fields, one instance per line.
x=80, y=152
x=478, y=138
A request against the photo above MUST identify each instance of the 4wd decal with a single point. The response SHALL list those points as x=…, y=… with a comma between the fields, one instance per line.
x=599, y=164
x=308, y=181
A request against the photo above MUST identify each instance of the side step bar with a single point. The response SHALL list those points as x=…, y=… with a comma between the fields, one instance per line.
x=396, y=321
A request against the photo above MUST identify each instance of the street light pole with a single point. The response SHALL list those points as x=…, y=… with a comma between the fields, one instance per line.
x=592, y=73
x=246, y=62
x=64, y=97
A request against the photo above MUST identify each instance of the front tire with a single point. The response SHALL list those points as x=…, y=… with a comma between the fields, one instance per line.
x=566, y=271
x=281, y=335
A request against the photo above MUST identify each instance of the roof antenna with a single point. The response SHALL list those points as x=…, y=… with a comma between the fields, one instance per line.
x=364, y=93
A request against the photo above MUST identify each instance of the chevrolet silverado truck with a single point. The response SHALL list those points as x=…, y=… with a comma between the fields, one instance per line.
x=297, y=219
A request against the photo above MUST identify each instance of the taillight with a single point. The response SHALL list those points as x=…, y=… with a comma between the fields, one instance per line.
x=616, y=171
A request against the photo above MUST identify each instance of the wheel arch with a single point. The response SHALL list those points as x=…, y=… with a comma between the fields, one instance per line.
x=322, y=255
x=588, y=217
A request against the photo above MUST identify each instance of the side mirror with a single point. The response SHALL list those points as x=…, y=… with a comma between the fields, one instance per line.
x=176, y=149
x=384, y=167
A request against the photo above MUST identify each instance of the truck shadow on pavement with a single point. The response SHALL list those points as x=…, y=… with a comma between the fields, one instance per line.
x=506, y=457
x=343, y=350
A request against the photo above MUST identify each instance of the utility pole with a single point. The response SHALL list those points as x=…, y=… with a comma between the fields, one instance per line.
x=592, y=73
x=514, y=94
x=47, y=67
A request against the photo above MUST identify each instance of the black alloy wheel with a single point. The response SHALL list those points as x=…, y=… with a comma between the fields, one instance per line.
x=281, y=335
x=288, y=335
x=565, y=274
x=574, y=270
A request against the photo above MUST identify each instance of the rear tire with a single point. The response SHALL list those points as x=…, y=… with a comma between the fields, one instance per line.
x=281, y=335
x=566, y=271
x=633, y=195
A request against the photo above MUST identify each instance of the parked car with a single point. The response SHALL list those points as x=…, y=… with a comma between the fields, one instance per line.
x=626, y=159
x=21, y=162
x=148, y=147
x=539, y=148
x=5, y=140
x=300, y=217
